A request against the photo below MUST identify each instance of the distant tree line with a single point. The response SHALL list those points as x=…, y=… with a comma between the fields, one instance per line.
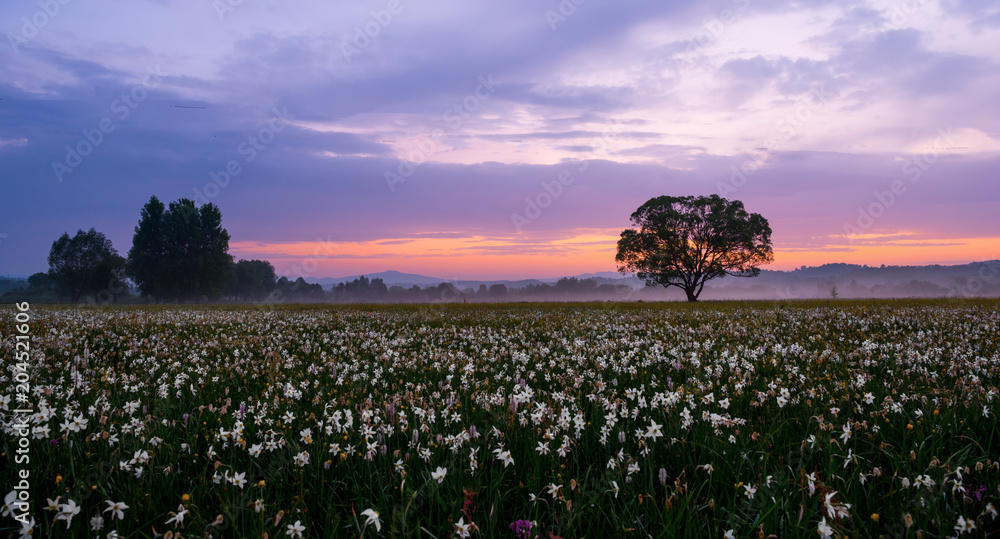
x=375, y=290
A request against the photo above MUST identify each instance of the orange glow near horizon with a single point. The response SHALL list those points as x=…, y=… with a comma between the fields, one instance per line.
x=909, y=252
x=583, y=251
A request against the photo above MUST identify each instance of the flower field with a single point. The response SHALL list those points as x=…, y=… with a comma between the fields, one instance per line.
x=825, y=419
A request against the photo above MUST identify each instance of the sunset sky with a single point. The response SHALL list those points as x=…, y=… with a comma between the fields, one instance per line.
x=490, y=140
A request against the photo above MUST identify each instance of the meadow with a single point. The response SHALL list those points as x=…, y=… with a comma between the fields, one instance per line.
x=721, y=420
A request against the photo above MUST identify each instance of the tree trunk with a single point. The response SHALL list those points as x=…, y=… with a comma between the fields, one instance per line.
x=691, y=294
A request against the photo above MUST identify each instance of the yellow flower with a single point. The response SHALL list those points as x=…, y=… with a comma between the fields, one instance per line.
x=875, y=517
x=186, y=498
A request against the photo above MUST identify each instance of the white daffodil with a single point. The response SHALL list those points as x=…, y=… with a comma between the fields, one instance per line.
x=178, y=517
x=117, y=509
x=372, y=519
x=438, y=475
x=295, y=530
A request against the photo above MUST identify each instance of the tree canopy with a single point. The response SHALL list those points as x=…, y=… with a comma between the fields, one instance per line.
x=685, y=241
x=251, y=280
x=180, y=251
x=84, y=264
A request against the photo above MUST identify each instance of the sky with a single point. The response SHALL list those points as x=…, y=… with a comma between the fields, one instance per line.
x=501, y=140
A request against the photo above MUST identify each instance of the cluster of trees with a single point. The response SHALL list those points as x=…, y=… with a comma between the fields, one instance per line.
x=255, y=280
x=81, y=266
x=179, y=252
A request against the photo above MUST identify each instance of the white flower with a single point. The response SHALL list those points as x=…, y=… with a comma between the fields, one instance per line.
x=255, y=450
x=825, y=531
x=239, y=479
x=750, y=490
x=964, y=526
x=372, y=518
x=847, y=433
x=302, y=459
x=614, y=488
x=295, y=530
x=28, y=528
x=438, y=475
x=67, y=511
x=78, y=424
x=553, y=489
x=461, y=528
x=835, y=511
x=729, y=535
x=504, y=456
x=543, y=448
x=8, y=503
x=653, y=431
x=178, y=517
x=849, y=457
x=117, y=509
x=97, y=523
x=258, y=505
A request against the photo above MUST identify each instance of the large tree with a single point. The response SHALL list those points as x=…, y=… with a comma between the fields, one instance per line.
x=685, y=241
x=83, y=264
x=180, y=252
x=147, y=257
